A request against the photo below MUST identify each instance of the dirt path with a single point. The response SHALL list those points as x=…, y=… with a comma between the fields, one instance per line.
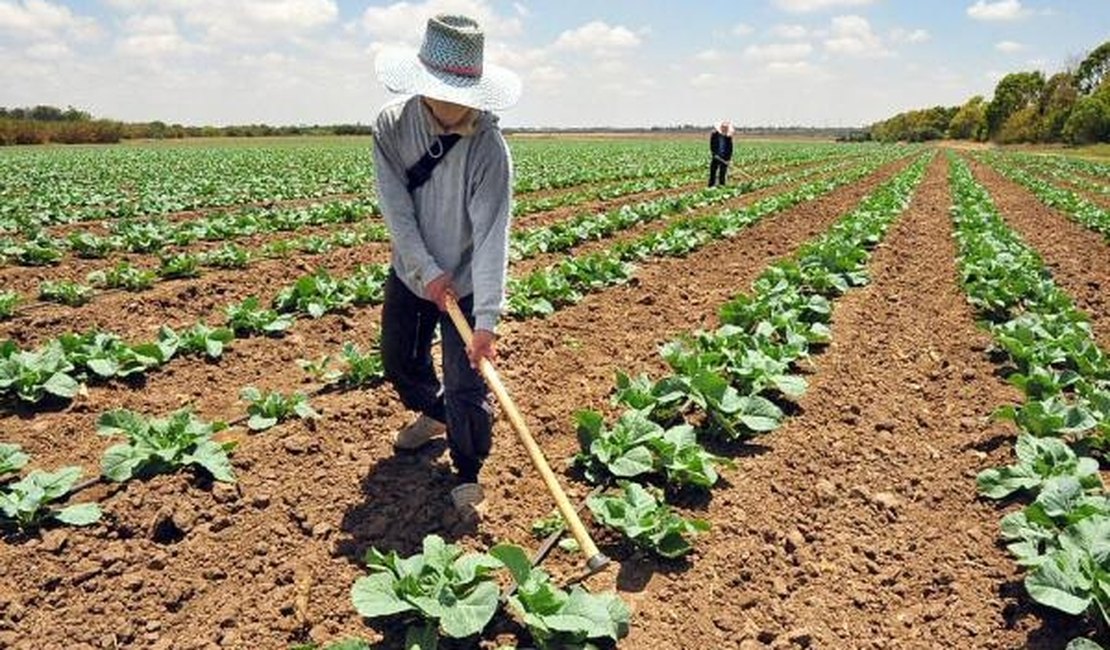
x=272, y=560
x=1078, y=257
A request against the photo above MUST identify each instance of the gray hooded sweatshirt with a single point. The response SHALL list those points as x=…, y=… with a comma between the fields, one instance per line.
x=458, y=221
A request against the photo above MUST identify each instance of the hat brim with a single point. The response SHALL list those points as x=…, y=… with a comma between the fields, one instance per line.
x=401, y=71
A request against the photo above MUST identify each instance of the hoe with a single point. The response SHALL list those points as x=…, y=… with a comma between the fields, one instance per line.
x=595, y=559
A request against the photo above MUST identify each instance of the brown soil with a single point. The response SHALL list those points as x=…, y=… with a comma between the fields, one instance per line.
x=855, y=525
x=1078, y=257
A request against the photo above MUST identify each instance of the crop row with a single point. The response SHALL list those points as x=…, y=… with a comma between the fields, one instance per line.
x=62, y=186
x=1060, y=536
x=546, y=289
x=753, y=166
x=158, y=236
x=125, y=276
x=1068, y=163
x=584, y=227
x=57, y=367
x=727, y=383
x=524, y=243
x=1070, y=203
x=1059, y=167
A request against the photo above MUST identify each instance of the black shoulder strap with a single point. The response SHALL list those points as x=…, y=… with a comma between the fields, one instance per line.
x=420, y=172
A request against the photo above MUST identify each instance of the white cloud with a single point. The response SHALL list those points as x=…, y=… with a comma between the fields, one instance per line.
x=742, y=29
x=1001, y=10
x=597, y=37
x=793, y=68
x=49, y=51
x=778, y=52
x=153, y=36
x=1008, y=46
x=39, y=19
x=243, y=21
x=789, y=31
x=259, y=20
x=403, y=22
x=807, y=6
x=705, y=80
x=901, y=35
x=708, y=56
x=852, y=35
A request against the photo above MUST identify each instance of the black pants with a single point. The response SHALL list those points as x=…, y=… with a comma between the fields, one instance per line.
x=408, y=327
x=717, y=171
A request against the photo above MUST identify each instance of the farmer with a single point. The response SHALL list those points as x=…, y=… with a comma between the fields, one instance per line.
x=720, y=148
x=444, y=178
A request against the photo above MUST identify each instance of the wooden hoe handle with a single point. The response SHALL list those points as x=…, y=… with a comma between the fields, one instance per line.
x=594, y=558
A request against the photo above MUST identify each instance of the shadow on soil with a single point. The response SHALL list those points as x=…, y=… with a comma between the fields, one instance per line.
x=405, y=497
x=1048, y=628
x=637, y=569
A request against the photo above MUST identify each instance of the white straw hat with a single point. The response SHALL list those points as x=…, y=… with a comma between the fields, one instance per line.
x=449, y=67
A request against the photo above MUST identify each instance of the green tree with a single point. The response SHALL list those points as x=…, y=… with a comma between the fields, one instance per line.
x=1057, y=100
x=1014, y=92
x=1022, y=126
x=1089, y=75
x=970, y=121
x=1090, y=119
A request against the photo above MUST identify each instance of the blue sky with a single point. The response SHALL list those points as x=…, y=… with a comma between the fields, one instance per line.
x=583, y=63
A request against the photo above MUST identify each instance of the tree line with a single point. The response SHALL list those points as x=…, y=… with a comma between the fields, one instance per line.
x=46, y=124
x=1071, y=106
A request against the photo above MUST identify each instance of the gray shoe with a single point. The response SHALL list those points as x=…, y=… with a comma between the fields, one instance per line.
x=467, y=497
x=418, y=433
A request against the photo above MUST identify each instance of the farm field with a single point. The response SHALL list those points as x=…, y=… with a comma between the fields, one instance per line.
x=823, y=362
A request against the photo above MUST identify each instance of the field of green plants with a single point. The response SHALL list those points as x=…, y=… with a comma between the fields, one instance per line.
x=859, y=396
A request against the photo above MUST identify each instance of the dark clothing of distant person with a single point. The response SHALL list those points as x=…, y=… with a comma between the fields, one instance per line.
x=720, y=145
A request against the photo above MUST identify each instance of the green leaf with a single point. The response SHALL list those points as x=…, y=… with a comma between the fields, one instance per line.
x=635, y=461
x=305, y=411
x=211, y=456
x=81, y=514
x=473, y=566
x=471, y=614
x=12, y=458
x=105, y=368
x=61, y=385
x=373, y=596
x=1059, y=582
x=759, y=414
x=790, y=385
x=259, y=422
x=515, y=559
x=121, y=421
x=422, y=637
x=119, y=462
x=250, y=394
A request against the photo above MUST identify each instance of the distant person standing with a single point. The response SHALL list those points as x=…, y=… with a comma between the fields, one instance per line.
x=720, y=147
